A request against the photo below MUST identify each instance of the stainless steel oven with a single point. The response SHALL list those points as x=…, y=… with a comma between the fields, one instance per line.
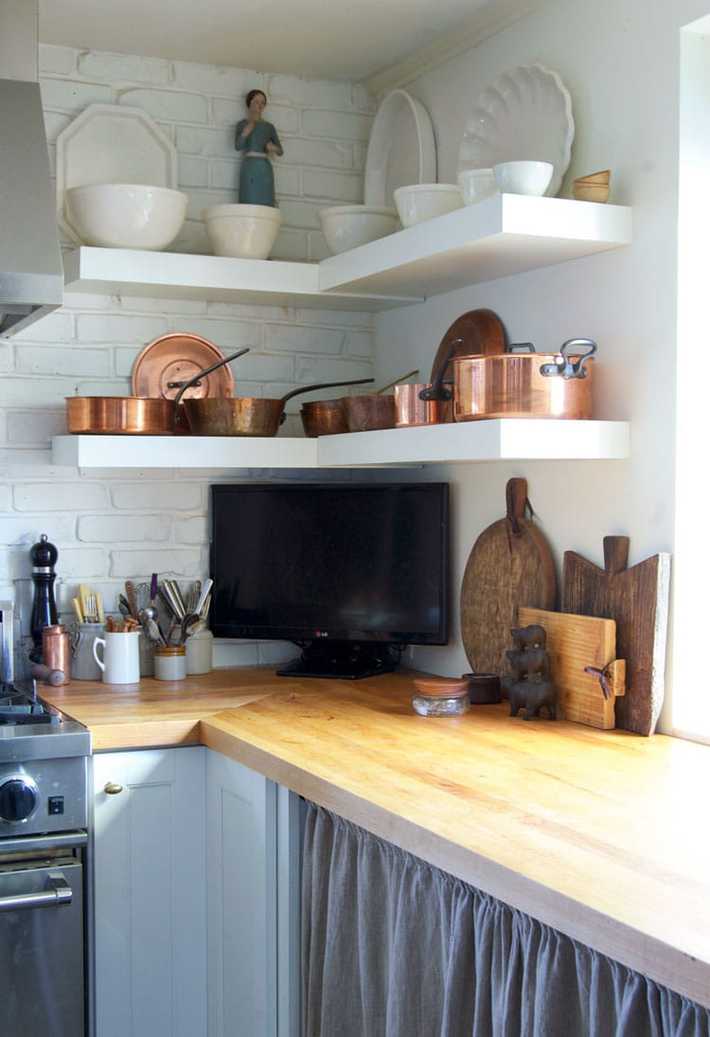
x=43, y=862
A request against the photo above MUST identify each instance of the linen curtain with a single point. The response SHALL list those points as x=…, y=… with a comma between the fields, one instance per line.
x=393, y=947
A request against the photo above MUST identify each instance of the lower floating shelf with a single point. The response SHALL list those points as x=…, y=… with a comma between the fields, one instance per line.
x=507, y=440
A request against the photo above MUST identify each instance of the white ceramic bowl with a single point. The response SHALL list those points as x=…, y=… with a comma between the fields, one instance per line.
x=421, y=202
x=242, y=231
x=524, y=177
x=126, y=215
x=477, y=184
x=348, y=226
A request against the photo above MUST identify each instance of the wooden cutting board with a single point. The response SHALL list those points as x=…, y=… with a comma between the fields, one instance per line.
x=511, y=564
x=637, y=599
x=574, y=643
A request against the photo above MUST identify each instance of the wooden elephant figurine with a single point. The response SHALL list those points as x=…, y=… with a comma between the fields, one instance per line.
x=533, y=636
x=532, y=696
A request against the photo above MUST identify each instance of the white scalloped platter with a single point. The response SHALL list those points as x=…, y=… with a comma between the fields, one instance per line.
x=112, y=144
x=525, y=114
x=401, y=150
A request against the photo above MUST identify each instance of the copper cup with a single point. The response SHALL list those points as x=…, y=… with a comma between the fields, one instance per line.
x=411, y=410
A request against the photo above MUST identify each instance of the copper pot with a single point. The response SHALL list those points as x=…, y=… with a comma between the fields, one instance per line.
x=413, y=409
x=327, y=417
x=525, y=385
x=374, y=410
x=244, y=416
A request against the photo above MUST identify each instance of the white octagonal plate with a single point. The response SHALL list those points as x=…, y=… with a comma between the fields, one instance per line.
x=401, y=150
x=525, y=114
x=110, y=144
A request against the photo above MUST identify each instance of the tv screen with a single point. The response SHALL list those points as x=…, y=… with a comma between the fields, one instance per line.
x=364, y=563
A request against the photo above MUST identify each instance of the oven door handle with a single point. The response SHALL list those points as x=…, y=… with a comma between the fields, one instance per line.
x=58, y=893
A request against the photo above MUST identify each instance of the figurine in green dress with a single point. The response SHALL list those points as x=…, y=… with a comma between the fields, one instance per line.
x=259, y=140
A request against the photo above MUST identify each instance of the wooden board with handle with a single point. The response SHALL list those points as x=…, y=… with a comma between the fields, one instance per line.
x=575, y=643
x=637, y=599
x=511, y=564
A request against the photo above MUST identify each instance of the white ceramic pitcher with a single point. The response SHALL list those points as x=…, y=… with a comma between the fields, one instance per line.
x=121, y=659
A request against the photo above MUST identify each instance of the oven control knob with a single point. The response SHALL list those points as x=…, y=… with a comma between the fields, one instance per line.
x=17, y=800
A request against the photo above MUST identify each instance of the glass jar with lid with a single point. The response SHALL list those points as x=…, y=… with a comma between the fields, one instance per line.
x=440, y=697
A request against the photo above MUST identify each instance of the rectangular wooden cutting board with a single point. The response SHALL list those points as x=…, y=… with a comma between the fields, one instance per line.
x=573, y=643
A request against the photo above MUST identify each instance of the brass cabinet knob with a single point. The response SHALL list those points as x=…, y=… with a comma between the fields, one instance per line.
x=111, y=788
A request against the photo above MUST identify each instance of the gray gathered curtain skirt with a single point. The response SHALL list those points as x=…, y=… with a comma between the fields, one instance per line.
x=393, y=947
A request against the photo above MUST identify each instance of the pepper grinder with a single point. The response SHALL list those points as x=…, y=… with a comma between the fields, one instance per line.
x=43, y=556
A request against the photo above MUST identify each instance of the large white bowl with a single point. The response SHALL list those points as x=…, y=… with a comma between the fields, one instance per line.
x=126, y=215
x=348, y=226
x=420, y=202
x=524, y=177
x=476, y=184
x=242, y=231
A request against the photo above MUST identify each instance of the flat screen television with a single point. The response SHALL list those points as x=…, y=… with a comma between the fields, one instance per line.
x=351, y=573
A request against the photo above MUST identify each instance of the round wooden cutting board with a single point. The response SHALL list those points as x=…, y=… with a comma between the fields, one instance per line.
x=511, y=564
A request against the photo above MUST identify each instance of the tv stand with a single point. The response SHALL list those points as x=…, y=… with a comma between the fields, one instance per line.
x=348, y=660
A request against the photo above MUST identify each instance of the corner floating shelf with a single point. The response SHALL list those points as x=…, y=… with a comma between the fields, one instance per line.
x=176, y=275
x=502, y=235
x=511, y=439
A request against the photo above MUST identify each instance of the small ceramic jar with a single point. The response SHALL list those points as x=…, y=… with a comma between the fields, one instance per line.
x=198, y=652
x=169, y=663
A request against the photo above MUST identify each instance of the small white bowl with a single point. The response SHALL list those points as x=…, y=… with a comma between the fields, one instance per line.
x=420, y=202
x=125, y=215
x=349, y=226
x=477, y=184
x=242, y=231
x=524, y=177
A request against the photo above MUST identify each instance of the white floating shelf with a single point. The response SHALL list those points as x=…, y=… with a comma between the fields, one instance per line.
x=512, y=439
x=184, y=452
x=502, y=235
x=176, y=275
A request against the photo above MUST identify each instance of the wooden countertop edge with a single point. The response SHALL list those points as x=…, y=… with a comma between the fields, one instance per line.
x=659, y=961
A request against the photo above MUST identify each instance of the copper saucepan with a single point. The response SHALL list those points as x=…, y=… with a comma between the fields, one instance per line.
x=132, y=415
x=375, y=410
x=244, y=416
x=525, y=385
x=327, y=417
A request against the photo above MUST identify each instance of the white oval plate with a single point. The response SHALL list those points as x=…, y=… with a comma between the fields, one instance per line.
x=401, y=150
x=112, y=144
x=525, y=114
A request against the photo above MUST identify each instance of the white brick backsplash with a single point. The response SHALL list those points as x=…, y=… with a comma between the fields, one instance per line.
x=340, y=187
x=170, y=105
x=215, y=79
x=26, y=529
x=362, y=98
x=67, y=95
x=58, y=61
x=28, y=428
x=62, y=360
x=305, y=340
x=309, y=93
x=111, y=524
x=55, y=327
x=117, y=529
x=228, y=113
x=192, y=530
x=83, y=563
x=118, y=68
x=57, y=496
x=336, y=124
x=301, y=152
x=142, y=496
x=135, y=564
x=193, y=172
x=94, y=327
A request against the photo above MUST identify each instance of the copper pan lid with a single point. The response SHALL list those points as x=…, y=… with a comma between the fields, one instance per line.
x=177, y=357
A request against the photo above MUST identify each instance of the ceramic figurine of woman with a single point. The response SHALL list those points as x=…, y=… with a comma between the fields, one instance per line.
x=259, y=140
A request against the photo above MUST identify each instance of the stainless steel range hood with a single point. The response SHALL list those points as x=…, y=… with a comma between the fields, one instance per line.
x=31, y=276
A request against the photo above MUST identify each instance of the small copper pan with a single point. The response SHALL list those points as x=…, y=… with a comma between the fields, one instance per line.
x=375, y=410
x=413, y=409
x=327, y=417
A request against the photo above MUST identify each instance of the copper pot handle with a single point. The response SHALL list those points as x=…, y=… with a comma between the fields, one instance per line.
x=204, y=372
x=564, y=367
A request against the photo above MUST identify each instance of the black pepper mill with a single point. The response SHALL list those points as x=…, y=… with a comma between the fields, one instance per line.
x=43, y=556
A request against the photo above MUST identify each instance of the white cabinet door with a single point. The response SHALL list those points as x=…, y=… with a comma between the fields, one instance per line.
x=150, y=894
x=253, y=880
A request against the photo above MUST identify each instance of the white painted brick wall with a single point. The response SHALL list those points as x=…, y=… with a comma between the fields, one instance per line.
x=112, y=525
x=323, y=126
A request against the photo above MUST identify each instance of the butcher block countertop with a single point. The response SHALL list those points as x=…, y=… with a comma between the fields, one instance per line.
x=602, y=835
